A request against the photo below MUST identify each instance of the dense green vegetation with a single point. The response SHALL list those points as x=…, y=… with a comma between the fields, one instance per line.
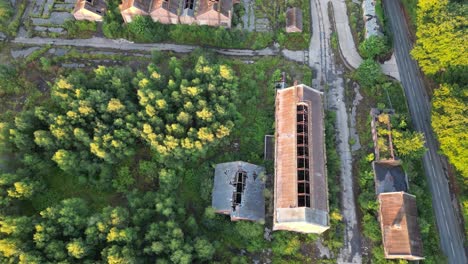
x=143, y=143
x=441, y=36
x=6, y=11
x=95, y=122
x=80, y=28
x=10, y=16
x=334, y=237
x=449, y=121
x=356, y=21
x=441, y=53
x=372, y=47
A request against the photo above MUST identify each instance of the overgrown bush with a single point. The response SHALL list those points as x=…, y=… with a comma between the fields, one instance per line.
x=6, y=11
x=9, y=84
x=369, y=74
x=373, y=47
x=79, y=28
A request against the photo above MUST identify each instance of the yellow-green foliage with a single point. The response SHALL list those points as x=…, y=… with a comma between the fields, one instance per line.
x=449, y=121
x=441, y=35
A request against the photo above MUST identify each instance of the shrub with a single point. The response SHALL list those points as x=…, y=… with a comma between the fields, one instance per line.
x=5, y=11
x=79, y=29
x=373, y=47
x=369, y=74
x=123, y=180
x=143, y=29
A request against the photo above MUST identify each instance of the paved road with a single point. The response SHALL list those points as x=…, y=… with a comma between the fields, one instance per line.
x=328, y=73
x=451, y=235
x=347, y=46
x=346, y=41
x=97, y=42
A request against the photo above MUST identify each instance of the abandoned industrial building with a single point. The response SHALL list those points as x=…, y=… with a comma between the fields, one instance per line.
x=301, y=191
x=400, y=232
x=238, y=191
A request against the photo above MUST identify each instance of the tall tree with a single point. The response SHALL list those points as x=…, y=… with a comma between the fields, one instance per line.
x=449, y=121
x=441, y=35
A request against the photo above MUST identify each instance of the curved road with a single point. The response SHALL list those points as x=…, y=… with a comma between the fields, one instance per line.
x=450, y=232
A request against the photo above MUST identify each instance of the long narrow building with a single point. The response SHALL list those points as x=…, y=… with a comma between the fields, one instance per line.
x=301, y=190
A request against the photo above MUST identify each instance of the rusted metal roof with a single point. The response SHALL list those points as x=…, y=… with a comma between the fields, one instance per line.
x=400, y=230
x=220, y=6
x=288, y=211
x=293, y=20
x=240, y=202
x=144, y=5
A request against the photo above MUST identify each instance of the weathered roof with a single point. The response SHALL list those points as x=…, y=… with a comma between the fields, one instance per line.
x=169, y=5
x=96, y=6
x=221, y=6
x=294, y=18
x=400, y=230
x=252, y=205
x=144, y=5
x=389, y=176
x=286, y=158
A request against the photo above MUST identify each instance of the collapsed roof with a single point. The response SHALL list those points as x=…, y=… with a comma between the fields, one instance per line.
x=389, y=176
x=238, y=190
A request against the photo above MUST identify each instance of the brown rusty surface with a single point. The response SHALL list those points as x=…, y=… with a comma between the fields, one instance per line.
x=294, y=20
x=398, y=221
x=286, y=159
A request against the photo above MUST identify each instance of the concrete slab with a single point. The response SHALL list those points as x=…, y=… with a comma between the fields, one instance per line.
x=36, y=10
x=58, y=51
x=23, y=53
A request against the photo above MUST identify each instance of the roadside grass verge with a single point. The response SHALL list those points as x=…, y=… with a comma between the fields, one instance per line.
x=410, y=7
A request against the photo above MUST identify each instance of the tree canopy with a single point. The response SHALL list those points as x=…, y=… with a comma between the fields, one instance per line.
x=449, y=121
x=98, y=119
x=441, y=35
x=68, y=232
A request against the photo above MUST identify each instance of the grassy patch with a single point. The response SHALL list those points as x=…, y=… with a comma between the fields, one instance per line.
x=61, y=186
